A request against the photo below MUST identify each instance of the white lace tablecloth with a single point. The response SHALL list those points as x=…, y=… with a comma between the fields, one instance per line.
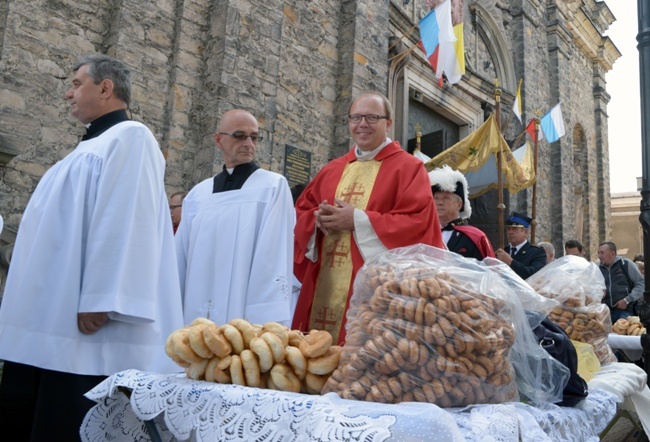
x=199, y=411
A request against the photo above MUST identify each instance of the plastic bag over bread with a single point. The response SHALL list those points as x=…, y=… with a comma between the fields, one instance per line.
x=578, y=287
x=428, y=325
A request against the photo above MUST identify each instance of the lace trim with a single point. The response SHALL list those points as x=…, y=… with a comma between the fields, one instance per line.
x=184, y=409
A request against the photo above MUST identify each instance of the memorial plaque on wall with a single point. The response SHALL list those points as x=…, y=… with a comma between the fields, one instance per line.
x=297, y=165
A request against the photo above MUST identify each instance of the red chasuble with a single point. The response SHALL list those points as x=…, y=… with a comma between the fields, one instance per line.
x=400, y=209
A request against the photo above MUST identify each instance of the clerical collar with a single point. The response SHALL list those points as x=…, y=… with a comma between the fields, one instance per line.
x=100, y=125
x=371, y=154
x=456, y=222
x=235, y=179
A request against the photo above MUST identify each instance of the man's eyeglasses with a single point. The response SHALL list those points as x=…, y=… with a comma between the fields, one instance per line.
x=174, y=206
x=370, y=119
x=241, y=136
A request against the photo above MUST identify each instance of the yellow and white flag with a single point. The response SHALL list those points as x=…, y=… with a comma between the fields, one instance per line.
x=476, y=157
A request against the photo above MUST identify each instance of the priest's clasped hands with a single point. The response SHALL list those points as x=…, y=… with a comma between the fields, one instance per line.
x=339, y=217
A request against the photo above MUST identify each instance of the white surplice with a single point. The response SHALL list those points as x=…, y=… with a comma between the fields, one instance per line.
x=235, y=251
x=96, y=236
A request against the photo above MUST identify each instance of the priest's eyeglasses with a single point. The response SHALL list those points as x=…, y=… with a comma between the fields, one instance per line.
x=370, y=119
x=241, y=136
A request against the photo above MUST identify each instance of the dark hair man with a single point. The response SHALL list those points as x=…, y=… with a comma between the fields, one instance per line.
x=93, y=286
x=573, y=247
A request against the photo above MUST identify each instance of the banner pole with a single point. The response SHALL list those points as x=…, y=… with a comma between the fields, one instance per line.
x=500, y=206
x=403, y=35
x=534, y=210
x=515, y=144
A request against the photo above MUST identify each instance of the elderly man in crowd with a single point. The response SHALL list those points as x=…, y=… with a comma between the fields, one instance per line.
x=451, y=196
x=549, y=249
x=374, y=198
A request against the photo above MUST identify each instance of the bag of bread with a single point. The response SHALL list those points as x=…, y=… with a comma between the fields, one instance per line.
x=428, y=325
x=577, y=286
x=529, y=298
x=570, y=280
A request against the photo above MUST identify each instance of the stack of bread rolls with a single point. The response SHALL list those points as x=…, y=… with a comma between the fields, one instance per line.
x=630, y=326
x=424, y=336
x=265, y=356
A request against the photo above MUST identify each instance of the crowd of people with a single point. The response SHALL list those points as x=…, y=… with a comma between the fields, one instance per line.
x=240, y=244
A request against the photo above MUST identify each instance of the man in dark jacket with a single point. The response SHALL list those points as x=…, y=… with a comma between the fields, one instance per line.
x=523, y=258
x=623, y=282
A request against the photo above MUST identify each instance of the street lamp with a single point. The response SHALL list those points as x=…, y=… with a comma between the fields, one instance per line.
x=643, y=38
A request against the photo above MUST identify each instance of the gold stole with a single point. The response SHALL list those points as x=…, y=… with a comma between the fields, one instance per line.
x=333, y=285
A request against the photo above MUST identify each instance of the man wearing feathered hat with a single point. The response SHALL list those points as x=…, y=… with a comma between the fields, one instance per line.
x=450, y=193
x=522, y=257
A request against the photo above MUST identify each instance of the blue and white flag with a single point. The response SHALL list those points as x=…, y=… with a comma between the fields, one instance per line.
x=552, y=124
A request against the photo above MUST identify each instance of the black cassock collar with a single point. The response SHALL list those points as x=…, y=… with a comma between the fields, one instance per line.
x=225, y=181
x=100, y=125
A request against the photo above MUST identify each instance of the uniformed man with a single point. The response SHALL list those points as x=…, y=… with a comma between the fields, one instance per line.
x=522, y=257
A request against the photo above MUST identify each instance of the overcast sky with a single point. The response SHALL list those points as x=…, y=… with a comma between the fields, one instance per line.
x=624, y=108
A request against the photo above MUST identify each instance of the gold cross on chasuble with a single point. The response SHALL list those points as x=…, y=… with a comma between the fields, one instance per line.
x=335, y=273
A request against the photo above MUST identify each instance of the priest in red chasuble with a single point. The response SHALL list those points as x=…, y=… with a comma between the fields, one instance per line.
x=376, y=197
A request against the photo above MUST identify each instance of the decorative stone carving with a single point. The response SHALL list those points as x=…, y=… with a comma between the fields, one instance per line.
x=491, y=7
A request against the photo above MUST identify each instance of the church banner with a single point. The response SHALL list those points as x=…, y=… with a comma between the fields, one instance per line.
x=475, y=156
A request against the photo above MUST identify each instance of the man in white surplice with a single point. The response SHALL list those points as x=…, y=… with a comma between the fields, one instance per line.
x=235, y=241
x=92, y=286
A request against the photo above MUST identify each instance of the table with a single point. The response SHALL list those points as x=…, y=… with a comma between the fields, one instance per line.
x=631, y=345
x=184, y=409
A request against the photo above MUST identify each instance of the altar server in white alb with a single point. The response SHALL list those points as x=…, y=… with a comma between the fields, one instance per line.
x=235, y=241
x=93, y=285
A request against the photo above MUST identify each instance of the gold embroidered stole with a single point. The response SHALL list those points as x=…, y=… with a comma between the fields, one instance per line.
x=333, y=285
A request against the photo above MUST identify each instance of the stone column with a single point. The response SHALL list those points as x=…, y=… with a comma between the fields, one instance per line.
x=559, y=152
x=241, y=70
x=600, y=210
x=363, y=59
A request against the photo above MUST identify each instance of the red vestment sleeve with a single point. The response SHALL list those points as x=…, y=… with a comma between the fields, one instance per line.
x=404, y=214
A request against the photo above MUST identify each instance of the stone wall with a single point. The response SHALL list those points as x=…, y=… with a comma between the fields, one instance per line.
x=555, y=67
x=295, y=65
